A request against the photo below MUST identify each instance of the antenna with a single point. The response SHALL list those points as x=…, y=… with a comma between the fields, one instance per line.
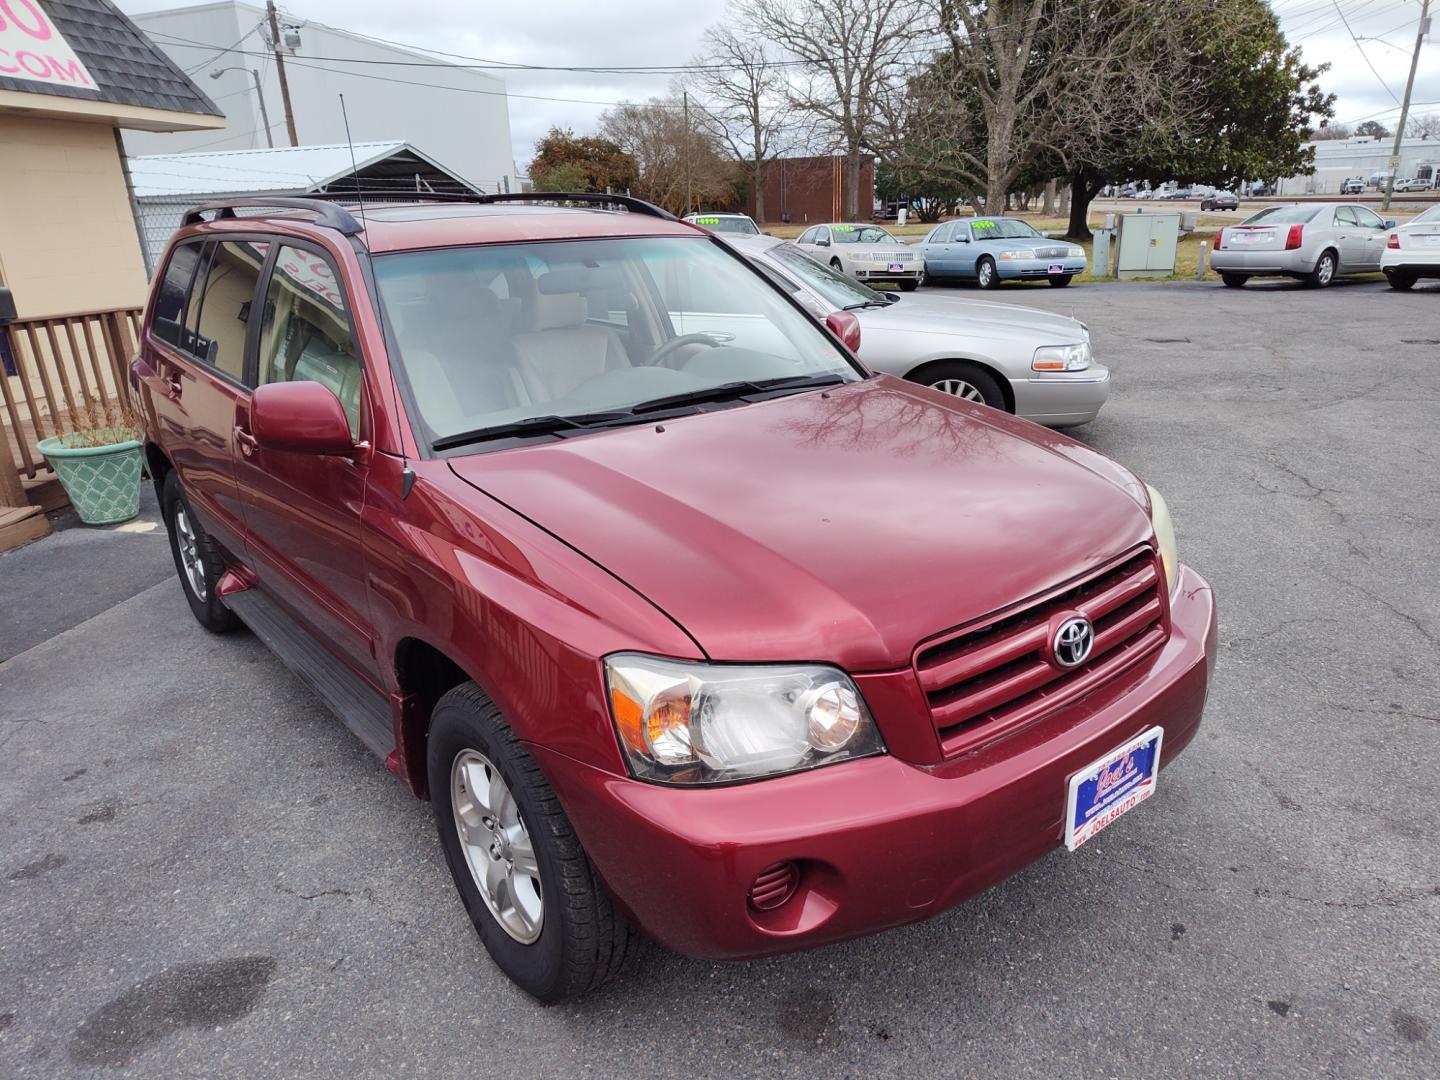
x=407, y=474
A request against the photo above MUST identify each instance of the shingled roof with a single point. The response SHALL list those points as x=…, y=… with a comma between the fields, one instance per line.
x=126, y=67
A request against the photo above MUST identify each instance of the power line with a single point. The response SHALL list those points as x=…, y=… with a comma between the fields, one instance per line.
x=1361, y=50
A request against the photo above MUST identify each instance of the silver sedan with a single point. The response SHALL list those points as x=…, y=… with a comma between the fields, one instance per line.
x=1031, y=363
x=865, y=252
x=1314, y=242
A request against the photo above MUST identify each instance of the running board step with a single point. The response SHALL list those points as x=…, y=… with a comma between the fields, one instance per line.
x=363, y=709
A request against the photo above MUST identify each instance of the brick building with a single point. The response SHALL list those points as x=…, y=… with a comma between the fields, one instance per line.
x=811, y=189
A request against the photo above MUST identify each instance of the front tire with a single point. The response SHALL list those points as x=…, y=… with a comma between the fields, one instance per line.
x=1234, y=281
x=986, y=276
x=1324, y=272
x=1059, y=281
x=197, y=558
x=531, y=893
x=909, y=286
x=967, y=381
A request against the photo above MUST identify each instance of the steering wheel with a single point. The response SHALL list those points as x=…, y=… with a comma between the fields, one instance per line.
x=661, y=355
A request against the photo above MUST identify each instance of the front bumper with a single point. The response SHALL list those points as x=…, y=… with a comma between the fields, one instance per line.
x=880, y=841
x=1063, y=399
x=882, y=272
x=1010, y=269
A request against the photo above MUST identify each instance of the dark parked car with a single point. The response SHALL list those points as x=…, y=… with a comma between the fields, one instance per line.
x=1221, y=200
x=701, y=631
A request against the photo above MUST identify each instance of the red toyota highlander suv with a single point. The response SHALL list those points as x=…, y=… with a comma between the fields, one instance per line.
x=684, y=622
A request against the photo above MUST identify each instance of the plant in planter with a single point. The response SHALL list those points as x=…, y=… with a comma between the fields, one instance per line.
x=98, y=461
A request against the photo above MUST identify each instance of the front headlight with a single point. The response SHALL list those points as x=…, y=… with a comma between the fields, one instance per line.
x=1164, y=536
x=1019, y=253
x=688, y=722
x=1062, y=357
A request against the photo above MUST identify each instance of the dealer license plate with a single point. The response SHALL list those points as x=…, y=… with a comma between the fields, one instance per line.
x=896, y=268
x=1114, y=785
x=1057, y=268
x=1238, y=237
x=1433, y=241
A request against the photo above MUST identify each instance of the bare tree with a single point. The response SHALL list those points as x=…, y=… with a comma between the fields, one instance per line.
x=1024, y=81
x=1333, y=131
x=743, y=102
x=1423, y=127
x=855, y=55
x=677, y=167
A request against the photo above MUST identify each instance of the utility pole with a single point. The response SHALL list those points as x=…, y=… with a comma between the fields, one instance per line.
x=280, y=67
x=1420, y=32
x=685, y=97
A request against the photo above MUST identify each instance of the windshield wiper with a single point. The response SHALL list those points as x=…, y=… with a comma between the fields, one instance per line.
x=735, y=390
x=531, y=425
x=869, y=304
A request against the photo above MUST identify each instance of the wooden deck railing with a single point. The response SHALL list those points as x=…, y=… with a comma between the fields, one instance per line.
x=63, y=365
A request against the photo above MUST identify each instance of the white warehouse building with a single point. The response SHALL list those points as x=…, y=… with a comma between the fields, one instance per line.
x=460, y=116
x=1336, y=160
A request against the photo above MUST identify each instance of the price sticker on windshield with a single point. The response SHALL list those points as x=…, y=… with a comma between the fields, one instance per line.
x=707, y=221
x=844, y=228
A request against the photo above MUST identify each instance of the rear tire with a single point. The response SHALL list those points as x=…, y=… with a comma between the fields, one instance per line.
x=1234, y=281
x=197, y=559
x=1059, y=281
x=581, y=941
x=986, y=276
x=1324, y=272
x=1400, y=282
x=964, y=380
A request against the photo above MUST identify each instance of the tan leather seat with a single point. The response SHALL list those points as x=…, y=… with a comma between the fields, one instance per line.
x=560, y=350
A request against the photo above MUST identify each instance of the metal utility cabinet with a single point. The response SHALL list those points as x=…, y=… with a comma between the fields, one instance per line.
x=1146, y=245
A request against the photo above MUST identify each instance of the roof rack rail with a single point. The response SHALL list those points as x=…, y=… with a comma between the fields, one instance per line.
x=599, y=198
x=330, y=214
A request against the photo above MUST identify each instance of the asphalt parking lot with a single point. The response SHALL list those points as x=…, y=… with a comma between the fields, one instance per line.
x=203, y=874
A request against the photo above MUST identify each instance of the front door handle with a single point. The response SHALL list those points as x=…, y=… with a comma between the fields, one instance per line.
x=247, y=442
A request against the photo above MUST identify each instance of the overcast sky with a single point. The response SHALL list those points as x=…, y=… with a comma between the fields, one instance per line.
x=658, y=32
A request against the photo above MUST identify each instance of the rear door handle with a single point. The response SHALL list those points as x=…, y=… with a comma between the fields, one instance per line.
x=173, y=386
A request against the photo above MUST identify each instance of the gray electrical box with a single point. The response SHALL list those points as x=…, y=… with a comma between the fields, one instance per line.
x=1145, y=246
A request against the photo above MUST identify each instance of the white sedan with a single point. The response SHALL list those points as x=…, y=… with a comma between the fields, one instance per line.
x=1412, y=251
x=866, y=252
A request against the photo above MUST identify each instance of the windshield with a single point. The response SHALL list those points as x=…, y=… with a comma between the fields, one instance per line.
x=500, y=334
x=1281, y=215
x=1429, y=217
x=736, y=226
x=838, y=289
x=861, y=234
x=1001, y=229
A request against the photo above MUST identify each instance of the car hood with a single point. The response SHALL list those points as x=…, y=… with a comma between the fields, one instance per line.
x=844, y=527
x=952, y=315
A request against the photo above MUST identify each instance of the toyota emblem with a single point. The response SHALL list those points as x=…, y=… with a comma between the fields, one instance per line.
x=1073, y=641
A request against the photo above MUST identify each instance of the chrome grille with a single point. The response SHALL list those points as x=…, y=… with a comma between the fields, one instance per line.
x=988, y=679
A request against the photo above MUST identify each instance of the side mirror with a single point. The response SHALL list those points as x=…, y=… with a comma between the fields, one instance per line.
x=822, y=243
x=845, y=326
x=301, y=418
x=7, y=307
x=1390, y=223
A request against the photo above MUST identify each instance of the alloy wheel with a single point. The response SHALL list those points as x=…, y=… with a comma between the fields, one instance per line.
x=190, y=557
x=958, y=388
x=497, y=846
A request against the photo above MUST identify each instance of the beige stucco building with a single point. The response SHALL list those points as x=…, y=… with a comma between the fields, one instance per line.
x=72, y=74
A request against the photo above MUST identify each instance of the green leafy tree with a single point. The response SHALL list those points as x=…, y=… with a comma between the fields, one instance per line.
x=1252, y=103
x=566, y=162
x=1373, y=129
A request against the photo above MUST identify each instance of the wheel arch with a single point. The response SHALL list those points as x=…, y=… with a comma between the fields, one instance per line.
x=158, y=465
x=920, y=371
x=424, y=673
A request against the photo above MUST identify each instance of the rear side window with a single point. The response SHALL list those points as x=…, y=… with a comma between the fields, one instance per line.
x=220, y=304
x=305, y=334
x=168, y=320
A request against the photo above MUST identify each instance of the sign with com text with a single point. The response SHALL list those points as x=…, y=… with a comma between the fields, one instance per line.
x=31, y=48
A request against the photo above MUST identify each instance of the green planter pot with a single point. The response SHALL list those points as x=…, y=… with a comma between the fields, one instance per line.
x=103, y=482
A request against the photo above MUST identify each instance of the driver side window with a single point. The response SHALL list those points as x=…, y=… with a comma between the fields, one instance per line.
x=822, y=236
x=305, y=332
x=1368, y=219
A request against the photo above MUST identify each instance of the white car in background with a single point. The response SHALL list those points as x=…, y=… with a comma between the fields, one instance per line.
x=865, y=252
x=725, y=224
x=1412, y=250
x=1032, y=363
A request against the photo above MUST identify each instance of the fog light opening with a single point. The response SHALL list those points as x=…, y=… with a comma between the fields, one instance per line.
x=774, y=886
